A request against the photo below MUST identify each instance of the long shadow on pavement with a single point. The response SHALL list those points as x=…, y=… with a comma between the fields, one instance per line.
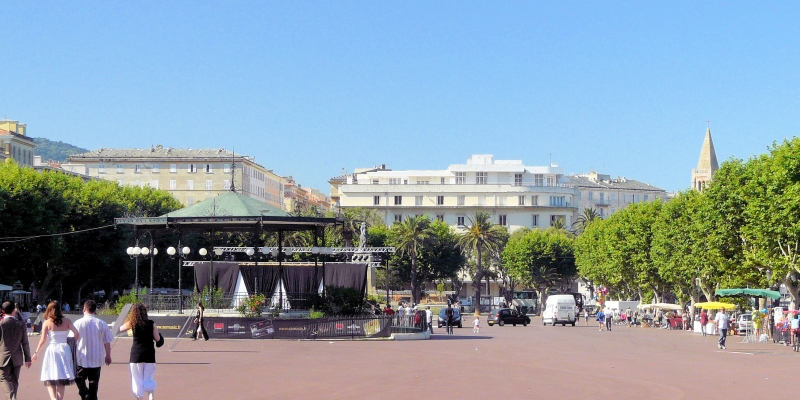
x=458, y=337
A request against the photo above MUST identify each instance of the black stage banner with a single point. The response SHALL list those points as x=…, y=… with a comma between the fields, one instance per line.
x=225, y=275
x=294, y=328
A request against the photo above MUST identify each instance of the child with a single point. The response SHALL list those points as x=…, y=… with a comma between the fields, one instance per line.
x=476, y=325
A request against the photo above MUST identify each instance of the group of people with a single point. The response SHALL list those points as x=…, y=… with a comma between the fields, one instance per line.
x=92, y=350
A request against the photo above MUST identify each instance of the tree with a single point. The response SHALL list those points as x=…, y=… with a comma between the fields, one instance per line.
x=87, y=251
x=588, y=216
x=771, y=232
x=541, y=259
x=409, y=237
x=481, y=234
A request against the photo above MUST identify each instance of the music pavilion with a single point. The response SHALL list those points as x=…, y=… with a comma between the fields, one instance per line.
x=254, y=267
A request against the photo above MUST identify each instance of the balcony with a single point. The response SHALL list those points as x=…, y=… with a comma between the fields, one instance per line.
x=458, y=189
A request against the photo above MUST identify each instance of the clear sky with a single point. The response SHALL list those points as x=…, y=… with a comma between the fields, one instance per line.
x=311, y=87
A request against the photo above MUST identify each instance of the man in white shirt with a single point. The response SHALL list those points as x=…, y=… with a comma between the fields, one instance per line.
x=93, y=348
x=429, y=318
x=721, y=320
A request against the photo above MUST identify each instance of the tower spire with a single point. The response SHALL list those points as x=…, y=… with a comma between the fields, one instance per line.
x=707, y=164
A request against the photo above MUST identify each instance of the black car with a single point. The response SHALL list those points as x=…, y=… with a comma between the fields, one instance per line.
x=502, y=316
x=456, y=318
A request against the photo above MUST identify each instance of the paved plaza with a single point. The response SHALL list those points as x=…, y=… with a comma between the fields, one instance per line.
x=501, y=362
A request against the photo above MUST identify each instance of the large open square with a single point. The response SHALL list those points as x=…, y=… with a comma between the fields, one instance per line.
x=502, y=362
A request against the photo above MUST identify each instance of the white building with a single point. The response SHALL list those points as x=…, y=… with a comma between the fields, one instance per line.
x=514, y=194
x=608, y=195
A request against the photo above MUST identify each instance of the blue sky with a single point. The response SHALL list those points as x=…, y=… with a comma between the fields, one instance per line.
x=309, y=88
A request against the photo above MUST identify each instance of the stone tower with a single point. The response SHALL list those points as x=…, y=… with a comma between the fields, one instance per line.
x=707, y=165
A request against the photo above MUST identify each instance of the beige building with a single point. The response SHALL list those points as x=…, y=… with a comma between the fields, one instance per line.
x=514, y=195
x=707, y=164
x=299, y=200
x=15, y=143
x=191, y=175
x=607, y=195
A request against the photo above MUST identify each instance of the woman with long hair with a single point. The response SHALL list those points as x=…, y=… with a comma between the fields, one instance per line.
x=143, y=353
x=198, y=322
x=57, y=368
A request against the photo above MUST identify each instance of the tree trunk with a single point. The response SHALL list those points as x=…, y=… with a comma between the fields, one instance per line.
x=414, y=283
x=542, y=298
x=477, y=282
x=793, y=288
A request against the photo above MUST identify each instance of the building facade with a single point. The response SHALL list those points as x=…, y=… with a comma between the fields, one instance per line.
x=607, y=195
x=513, y=194
x=707, y=164
x=15, y=143
x=191, y=175
x=299, y=200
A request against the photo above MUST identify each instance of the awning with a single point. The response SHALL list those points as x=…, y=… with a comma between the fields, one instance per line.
x=746, y=292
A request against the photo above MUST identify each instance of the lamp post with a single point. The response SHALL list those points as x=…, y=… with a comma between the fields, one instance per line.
x=174, y=253
x=144, y=252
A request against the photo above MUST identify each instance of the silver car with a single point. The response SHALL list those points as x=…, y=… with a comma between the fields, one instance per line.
x=744, y=322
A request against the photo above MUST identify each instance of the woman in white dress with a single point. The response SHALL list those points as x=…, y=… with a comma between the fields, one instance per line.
x=57, y=368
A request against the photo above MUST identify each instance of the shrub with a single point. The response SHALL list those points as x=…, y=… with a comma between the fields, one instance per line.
x=252, y=306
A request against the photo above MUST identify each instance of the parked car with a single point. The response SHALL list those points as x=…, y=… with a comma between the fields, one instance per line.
x=502, y=316
x=456, y=318
x=744, y=322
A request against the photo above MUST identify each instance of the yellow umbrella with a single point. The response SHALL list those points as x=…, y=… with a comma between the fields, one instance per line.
x=714, y=305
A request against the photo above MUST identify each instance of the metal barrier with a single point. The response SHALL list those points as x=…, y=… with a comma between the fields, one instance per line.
x=409, y=323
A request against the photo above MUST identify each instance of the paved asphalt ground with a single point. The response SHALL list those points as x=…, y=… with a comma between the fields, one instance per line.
x=501, y=362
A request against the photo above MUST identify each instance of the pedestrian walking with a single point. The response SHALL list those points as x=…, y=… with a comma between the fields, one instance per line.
x=198, y=322
x=14, y=351
x=601, y=318
x=57, y=368
x=721, y=321
x=585, y=316
x=143, y=353
x=629, y=316
x=609, y=320
x=703, y=321
x=92, y=351
x=429, y=318
x=476, y=325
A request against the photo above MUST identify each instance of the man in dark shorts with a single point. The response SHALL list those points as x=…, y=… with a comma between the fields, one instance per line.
x=449, y=317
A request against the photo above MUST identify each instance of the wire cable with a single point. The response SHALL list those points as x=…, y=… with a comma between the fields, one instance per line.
x=14, y=239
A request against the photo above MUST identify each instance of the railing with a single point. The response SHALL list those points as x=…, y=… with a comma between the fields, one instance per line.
x=301, y=301
x=409, y=323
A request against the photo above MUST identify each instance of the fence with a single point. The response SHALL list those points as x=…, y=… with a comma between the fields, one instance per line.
x=409, y=323
x=214, y=303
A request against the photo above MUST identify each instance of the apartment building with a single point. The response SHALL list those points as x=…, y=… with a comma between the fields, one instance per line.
x=299, y=200
x=515, y=195
x=607, y=195
x=191, y=175
x=15, y=143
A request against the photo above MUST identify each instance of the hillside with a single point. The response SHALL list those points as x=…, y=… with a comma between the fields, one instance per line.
x=55, y=151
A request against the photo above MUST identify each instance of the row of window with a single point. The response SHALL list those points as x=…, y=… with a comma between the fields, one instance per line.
x=481, y=178
x=173, y=168
x=624, y=197
x=522, y=200
x=173, y=184
x=502, y=219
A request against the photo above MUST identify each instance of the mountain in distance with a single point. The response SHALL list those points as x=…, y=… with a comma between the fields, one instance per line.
x=55, y=151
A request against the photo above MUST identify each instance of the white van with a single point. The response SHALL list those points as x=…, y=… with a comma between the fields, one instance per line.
x=559, y=309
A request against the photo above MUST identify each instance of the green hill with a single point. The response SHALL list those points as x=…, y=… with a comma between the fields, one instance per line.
x=55, y=151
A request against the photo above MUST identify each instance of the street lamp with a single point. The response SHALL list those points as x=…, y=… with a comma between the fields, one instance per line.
x=144, y=252
x=174, y=253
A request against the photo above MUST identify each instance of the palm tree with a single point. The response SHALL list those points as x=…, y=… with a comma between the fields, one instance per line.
x=410, y=236
x=481, y=234
x=587, y=217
